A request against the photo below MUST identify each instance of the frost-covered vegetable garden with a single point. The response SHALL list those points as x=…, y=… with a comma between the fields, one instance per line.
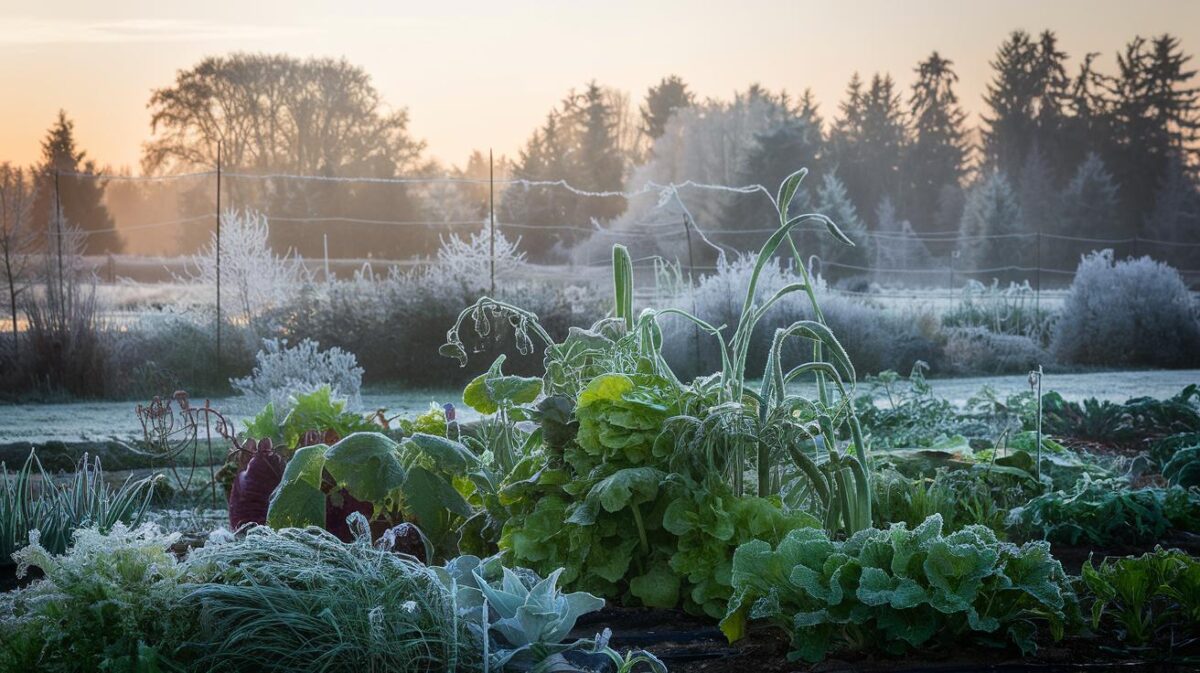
x=613, y=514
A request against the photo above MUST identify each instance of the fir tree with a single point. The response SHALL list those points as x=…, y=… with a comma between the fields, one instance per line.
x=938, y=154
x=579, y=144
x=1088, y=210
x=662, y=101
x=868, y=139
x=780, y=150
x=1036, y=193
x=80, y=194
x=1176, y=212
x=1026, y=100
x=991, y=210
x=833, y=201
x=897, y=247
x=1155, y=117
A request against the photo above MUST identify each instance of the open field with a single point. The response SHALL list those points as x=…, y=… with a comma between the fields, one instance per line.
x=98, y=421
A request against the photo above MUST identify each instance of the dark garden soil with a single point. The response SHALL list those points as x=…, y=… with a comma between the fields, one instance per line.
x=1074, y=556
x=688, y=644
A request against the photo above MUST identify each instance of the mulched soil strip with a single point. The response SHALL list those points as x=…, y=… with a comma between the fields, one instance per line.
x=689, y=644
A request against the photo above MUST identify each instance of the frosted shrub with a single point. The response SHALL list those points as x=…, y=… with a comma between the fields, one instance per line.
x=977, y=350
x=253, y=278
x=468, y=261
x=1132, y=312
x=875, y=338
x=395, y=322
x=281, y=372
x=111, y=602
x=169, y=349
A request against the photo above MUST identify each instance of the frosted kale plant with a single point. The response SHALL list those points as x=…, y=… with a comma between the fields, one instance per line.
x=1132, y=312
x=282, y=372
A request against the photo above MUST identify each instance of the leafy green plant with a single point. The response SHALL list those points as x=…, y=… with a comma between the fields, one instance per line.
x=31, y=499
x=317, y=411
x=975, y=496
x=408, y=481
x=112, y=601
x=1152, y=596
x=498, y=396
x=1183, y=469
x=431, y=422
x=300, y=599
x=912, y=415
x=1137, y=418
x=629, y=460
x=897, y=589
x=1107, y=512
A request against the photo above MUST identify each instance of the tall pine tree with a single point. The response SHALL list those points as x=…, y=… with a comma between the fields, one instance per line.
x=1026, y=101
x=578, y=143
x=780, y=150
x=1088, y=207
x=869, y=139
x=991, y=216
x=1155, y=119
x=80, y=194
x=833, y=201
x=663, y=100
x=938, y=154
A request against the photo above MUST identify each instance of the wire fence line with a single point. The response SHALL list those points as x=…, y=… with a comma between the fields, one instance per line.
x=669, y=217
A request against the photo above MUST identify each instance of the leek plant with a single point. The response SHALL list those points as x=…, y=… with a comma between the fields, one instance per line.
x=725, y=426
x=772, y=424
x=30, y=499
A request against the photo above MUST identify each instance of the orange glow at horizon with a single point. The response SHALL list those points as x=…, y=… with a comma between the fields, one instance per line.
x=475, y=75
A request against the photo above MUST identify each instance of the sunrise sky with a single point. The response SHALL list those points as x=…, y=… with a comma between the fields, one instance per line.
x=478, y=74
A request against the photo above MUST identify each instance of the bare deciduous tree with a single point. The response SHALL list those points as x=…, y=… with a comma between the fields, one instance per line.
x=17, y=237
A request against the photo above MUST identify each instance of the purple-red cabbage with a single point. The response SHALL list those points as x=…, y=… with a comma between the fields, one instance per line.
x=254, y=483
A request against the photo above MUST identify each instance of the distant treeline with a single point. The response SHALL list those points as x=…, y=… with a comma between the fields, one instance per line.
x=1086, y=150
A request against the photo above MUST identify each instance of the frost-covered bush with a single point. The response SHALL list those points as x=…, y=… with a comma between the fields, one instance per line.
x=111, y=603
x=468, y=261
x=282, y=372
x=1131, y=312
x=253, y=277
x=395, y=322
x=168, y=350
x=876, y=338
x=302, y=600
x=975, y=350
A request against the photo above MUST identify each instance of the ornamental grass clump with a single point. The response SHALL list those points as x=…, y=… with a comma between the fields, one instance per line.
x=300, y=599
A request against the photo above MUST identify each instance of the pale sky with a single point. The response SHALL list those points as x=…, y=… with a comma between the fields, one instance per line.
x=476, y=74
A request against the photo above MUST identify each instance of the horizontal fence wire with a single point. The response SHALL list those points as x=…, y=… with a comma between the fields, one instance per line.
x=669, y=198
